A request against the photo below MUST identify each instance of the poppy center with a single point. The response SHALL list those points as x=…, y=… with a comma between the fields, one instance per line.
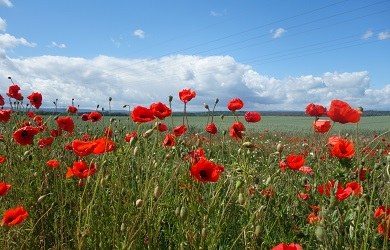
x=203, y=174
x=24, y=133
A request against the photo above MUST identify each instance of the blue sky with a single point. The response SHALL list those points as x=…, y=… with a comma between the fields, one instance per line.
x=275, y=55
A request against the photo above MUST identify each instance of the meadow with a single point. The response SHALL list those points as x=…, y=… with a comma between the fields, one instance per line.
x=86, y=181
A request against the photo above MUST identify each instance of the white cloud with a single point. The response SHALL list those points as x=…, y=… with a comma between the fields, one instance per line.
x=142, y=82
x=139, y=33
x=384, y=35
x=6, y=3
x=57, y=45
x=278, y=32
x=367, y=35
x=3, y=24
x=8, y=41
x=215, y=13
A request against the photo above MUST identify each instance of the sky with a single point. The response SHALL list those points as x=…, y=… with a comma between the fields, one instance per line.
x=274, y=55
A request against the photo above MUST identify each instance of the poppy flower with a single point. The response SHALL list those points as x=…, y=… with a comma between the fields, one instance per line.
x=315, y=110
x=187, y=95
x=169, y=141
x=381, y=212
x=361, y=174
x=35, y=99
x=2, y=159
x=343, y=193
x=303, y=196
x=94, y=116
x=103, y=145
x=236, y=130
x=321, y=126
x=341, y=112
x=235, y=104
x=283, y=246
x=53, y=163
x=81, y=169
x=211, y=128
x=141, y=114
x=45, y=142
x=355, y=187
x=4, y=187
x=384, y=227
x=72, y=109
x=129, y=136
x=306, y=170
x=295, y=161
x=13, y=92
x=55, y=132
x=326, y=188
x=206, y=171
x=333, y=140
x=313, y=218
x=83, y=148
x=65, y=123
x=25, y=135
x=179, y=130
x=5, y=115
x=343, y=149
x=195, y=155
x=162, y=127
x=282, y=165
x=2, y=100
x=14, y=216
x=160, y=110
x=108, y=132
x=85, y=117
x=252, y=117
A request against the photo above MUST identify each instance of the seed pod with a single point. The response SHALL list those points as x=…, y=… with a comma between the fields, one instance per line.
x=241, y=199
x=279, y=148
x=183, y=212
x=203, y=232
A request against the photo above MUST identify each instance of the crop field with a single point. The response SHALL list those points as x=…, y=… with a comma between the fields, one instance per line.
x=153, y=181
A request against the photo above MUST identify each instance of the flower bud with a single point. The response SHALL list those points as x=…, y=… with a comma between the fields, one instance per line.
x=319, y=233
x=148, y=133
x=206, y=106
x=157, y=192
x=183, y=212
x=170, y=98
x=279, y=148
x=257, y=231
x=248, y=144
x=238, y=184
x=241, y=199
x=139, y=203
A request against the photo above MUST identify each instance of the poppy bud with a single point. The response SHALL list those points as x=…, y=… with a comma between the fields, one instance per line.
x=241, y=199
x=279, y=148
x=224, y=132
x=135, y=151
x=216, y=101
x=177, y=211
x=203, y=232
x=257, y=231
x=268, y=180
x=206, y=106
x=319, y=233
x=248, y=144
x=123, y=227
x=183, y=212
x=238, y=184
x=170, y=98
x=139, y=203
x=148, y=133
x=110, y=99
x=133, y=140
x=157, y=192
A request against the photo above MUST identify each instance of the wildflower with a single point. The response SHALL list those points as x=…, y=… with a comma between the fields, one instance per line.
x=129, y=136
x=108, y=132
x=303, y=196
x=66, y=124
x=103, y=145
x=283, y=246
x=14, y=216
x=341, y=112
x=55, y=132
x=141, y=114
x=53, y=163
x=25, y=135
x=162, y=127
x=343, y=149
x=196, y=155
x=236, y=130
x=4, y=187
x=72, y=109
x=206, y=171
x=169, y=141
x=283, y=165
x=235, y=104
x=384, y=227
x=160, y=110
x=187, y=95
x=326, y=188
x=321, y=126
x=13, y=92
x=2, y=159
x=381, y=212
x=45, y=142
x=85, y=117
x=5, y=115
x=306, y=170
x=313, y=218
x=315, y=110
x=1, y=100
x=179, y=130
x=252, y=116
x=295, y=161
x=211, y=128
x=35, y=99
x=94, y=116
x=81, y=170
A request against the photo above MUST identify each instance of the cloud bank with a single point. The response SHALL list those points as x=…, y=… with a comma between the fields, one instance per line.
x=141, y=82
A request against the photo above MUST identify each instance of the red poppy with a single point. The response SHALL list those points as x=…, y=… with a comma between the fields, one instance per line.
x=306, y=170
x=236, y=130
x=343, y=149
x=315, y=110
x=55, y=132
x=83, y=148
x=65, y=123
x=381, y=212
x=108, y=132
x=313, y=218
x=282, y=165
x=131, y=135
x=94, y=116
x=326, y=188
x=2, y=100
x=295, y=161
x=141, y=114
x=25, y=135
x=343, y=193
x=103, y=145
x=13, y=92
x=252, y=116
x=81, y=170
x=384, y=227
x=85, y=117
x=283, y=246
x=206, y=171
x=35, y=99
x=186, y=95
x=162, y=127
x=179, y=130
x=196, y=155
x=341, y=112
x=72, y=109
x=4, y=187
x=355, y=187
x=333, y=140
x=235, y=104
x=2, y=159
x=321, y=126
x=361, y=174
x=45, y=142
x=14, y=216
x=169, y=141
x=5, y=115
x=53, y=163
x=303, y=196
x=211, y=128
x=160, y=110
